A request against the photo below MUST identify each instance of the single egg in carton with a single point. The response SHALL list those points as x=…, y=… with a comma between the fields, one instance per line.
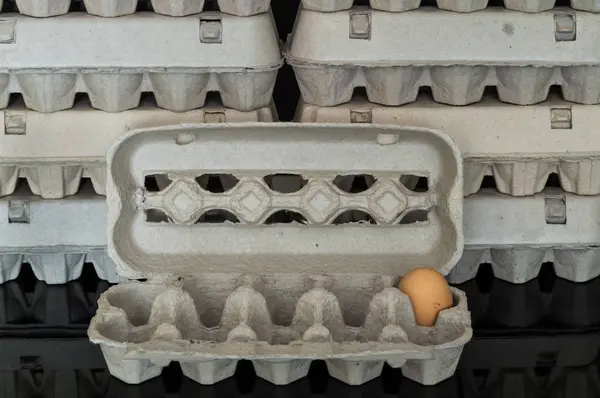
x=166, y=233
x=113, y=61
x=282, y=324
x=117, y=8
x=375, y=49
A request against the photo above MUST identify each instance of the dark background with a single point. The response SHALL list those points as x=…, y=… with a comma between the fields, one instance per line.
x=539, y=339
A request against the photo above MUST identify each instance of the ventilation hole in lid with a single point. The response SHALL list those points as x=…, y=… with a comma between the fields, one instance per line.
x=354, y=183
x=353, y=217
x=156, y=216
x=156, y=182
x=415, y=183
x=285, y=183
x=217, y=183
x=218, y=216
x=286, y=217
x=414, y=217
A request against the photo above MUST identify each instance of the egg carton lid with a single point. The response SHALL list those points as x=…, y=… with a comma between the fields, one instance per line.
x=365, y=37
x=142, y=41
x=248, y=152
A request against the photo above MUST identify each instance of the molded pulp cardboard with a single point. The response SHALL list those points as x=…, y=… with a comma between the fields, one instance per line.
x=280, y=293
x=521, y=54
x=114, y=60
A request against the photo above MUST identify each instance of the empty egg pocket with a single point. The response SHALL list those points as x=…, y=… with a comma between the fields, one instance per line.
x=295, y=316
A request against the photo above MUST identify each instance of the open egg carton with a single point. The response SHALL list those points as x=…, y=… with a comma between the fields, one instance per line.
x=117, y=8
x=279, y=276
x=54, y=151
x=113, y=60
x=520, y=146
x=451, y=5
x=56, y=237
x=518, y=235
x=520, y=54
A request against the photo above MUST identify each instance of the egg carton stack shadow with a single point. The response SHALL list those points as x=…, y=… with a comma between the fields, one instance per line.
x=117, y=8
x=142, y=317
x=179, y=60
x=232, y=294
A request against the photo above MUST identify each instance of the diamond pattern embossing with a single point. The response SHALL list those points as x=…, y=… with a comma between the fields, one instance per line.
x=321, y=201
x=250, y=201
x=183, y=201
x=387, y=202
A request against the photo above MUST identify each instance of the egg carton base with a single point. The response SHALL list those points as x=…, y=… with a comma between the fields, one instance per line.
x=492, y=136
x=329, y=85
x=51, y=181
x=49, y=92
x=117, y=8
x=241, y=327
x=56, y=267
x=523, y=264
x=276, y=371
x=451, y=5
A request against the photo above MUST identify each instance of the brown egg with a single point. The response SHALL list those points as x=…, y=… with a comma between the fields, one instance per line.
x=429, y=293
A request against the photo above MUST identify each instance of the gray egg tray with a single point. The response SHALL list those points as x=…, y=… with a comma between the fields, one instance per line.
x=117, y=8
x=520, y=146
x=114, y=60
x=518, y=235
x=281, y=323
x=54, y=151
x=279, y=293
x=451, y=5
x=520, y=54
x=57, y=236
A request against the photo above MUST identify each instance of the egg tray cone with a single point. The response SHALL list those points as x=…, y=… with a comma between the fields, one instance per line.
x=281, y=323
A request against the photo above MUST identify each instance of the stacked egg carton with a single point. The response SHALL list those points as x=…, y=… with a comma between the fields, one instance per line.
x=520, y=51
x=73, y=82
